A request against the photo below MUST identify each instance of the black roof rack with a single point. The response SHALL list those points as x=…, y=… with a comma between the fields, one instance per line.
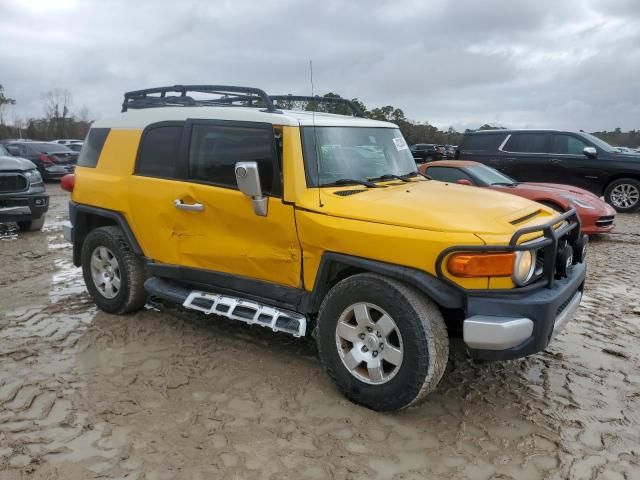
x=248, y=97
x=301, y=98
x=138, y=99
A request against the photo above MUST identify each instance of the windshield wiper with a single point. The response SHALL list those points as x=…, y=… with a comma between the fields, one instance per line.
x=504, y=184
x=350, y=181
x=416, y=174
x=389, y=176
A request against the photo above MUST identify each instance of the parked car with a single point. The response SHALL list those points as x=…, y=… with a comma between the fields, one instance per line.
x=76, y=146
x=573, y=158
x=595, y=215
x=53, y=161
x=426, y=152
x=23, y=199
x=310, y=223
x=66, y=141
x=450, y=151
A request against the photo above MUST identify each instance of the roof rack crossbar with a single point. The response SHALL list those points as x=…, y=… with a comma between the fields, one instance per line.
x=303, y=98
x=140, y=98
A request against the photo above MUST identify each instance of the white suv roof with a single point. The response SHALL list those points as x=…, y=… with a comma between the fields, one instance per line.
x=139, y=119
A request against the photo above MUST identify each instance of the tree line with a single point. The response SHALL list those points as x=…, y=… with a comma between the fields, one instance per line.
x=59, y=120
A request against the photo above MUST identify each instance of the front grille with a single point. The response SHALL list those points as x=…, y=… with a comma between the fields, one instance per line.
x=13, y=182
x=605, y=221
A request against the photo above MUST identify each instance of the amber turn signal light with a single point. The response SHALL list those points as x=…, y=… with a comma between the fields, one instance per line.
x=481, y=264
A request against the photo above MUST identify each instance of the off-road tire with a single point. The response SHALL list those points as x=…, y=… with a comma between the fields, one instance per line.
x=133, y=273
x=617, y=183
x=34, y=225
x=424, y=337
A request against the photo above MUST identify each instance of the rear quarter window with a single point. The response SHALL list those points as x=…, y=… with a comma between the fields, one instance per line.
x=482, y=142
x=92, y=147
x=160, y=151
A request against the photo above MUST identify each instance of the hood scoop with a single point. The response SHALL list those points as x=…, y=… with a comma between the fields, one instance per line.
x=346, y=193
x=520, y=220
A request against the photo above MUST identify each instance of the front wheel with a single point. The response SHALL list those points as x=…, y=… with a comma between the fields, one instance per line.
x=383, y=343
x=113, y=273
x=623, y=195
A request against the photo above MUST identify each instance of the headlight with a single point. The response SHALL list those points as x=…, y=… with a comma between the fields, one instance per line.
x=523, y=267
x=578, y=201
x=33, y=176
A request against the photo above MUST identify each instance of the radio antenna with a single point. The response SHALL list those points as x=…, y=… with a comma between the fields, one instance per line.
x=315, y=137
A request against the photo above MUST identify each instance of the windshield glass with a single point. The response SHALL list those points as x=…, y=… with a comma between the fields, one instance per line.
x=354, y=153
x=489, y=176
x=598, y=143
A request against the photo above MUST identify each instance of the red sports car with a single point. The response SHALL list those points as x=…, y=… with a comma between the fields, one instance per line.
x=595, y=215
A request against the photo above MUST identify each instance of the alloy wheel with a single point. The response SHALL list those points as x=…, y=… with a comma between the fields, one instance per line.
x=369, y=343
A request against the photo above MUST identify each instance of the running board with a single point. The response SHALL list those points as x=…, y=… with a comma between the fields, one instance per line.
x=247, y=311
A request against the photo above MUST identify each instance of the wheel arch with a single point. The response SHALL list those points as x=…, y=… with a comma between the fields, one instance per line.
x=619, y=176
x=335, y=267
x=86, y=218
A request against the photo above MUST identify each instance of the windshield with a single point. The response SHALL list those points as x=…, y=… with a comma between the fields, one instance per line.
x=490, y=176
x=598, y=143
x=354, y=153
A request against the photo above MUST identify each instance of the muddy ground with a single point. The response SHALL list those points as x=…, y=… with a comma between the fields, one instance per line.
x=166, y=394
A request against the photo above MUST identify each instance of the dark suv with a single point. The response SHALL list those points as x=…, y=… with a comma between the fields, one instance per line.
x=572, y=158
x=426, y=152
x=22, y=195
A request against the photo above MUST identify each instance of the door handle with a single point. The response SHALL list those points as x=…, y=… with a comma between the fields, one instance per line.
x=189, y=207
x=510, y=159
x=556, y=160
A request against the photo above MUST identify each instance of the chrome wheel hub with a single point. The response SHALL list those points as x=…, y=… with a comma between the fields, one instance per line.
x=625, y=196
x=369, y=343
x=105, y=272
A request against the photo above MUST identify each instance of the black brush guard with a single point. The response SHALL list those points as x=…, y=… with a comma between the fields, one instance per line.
x=548, y=244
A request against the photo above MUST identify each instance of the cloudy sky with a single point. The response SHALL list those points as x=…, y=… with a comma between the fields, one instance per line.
x=546, y=63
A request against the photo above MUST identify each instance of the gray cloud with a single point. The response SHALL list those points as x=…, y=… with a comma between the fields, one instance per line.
x=570, y=64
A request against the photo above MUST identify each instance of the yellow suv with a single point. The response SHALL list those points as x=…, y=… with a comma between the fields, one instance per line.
x=220, y=199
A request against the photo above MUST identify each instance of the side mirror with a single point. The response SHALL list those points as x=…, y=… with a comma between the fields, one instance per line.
x=248, y=179
x=590, y=152
x=464, y=181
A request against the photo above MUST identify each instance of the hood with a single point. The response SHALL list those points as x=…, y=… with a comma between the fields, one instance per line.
x=15, y=163
x=431, y=205
x=553, y=188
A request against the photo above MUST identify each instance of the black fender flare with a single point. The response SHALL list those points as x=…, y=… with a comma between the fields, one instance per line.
x=78, y=215
x=333, y=264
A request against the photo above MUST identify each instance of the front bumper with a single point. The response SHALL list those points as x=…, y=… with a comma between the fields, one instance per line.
x=57, y=171
x=508, y=326
x=23, y=207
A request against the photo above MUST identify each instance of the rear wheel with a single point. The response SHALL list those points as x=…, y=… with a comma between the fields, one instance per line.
x=34, y=225
x=623, y=195
x=114, y=275
x=383, y=343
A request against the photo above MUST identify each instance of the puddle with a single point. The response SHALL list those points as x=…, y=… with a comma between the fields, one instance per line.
x=66, y=282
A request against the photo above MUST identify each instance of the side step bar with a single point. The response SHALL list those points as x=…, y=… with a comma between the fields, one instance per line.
x=235, y=308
